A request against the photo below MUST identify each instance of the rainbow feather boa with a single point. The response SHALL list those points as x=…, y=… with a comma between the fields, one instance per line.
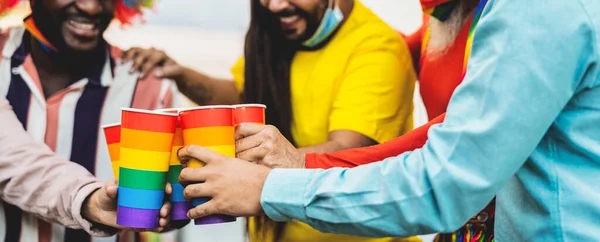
x=126, y=11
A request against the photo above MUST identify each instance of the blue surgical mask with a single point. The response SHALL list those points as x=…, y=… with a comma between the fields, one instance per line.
x=331, y=20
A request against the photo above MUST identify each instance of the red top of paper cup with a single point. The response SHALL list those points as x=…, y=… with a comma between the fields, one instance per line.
x=250, y=105
x=112, y=132
x=249, y=113
x=206, y=116
x=172, y=110
x=147, y=120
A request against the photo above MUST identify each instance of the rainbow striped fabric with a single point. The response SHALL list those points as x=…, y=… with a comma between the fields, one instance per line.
x=476, y=18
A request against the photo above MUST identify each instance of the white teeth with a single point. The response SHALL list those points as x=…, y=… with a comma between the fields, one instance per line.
x=83, y=26
x=291, y=19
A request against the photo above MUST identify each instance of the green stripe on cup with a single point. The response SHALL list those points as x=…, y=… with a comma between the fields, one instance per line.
x=140, y=179
x=173, y=174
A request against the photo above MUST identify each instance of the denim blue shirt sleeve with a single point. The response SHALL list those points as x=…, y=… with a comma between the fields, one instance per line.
x=529, y=60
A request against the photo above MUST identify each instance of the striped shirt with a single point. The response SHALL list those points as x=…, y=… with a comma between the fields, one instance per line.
x=69, y=122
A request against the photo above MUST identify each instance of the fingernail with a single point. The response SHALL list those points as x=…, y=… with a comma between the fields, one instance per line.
x=159, y=73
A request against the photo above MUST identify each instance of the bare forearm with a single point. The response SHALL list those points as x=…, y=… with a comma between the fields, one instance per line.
x=333, y=146
x=205, y=90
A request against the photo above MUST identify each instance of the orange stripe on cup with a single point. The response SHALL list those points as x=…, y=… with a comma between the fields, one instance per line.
x=114, y=151
x=146, y=140
x=112, y=133
x=148, y=120
x=209, y=136
x=206, y=116
x=178, y=137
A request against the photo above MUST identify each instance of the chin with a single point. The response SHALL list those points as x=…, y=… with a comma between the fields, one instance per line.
x=298, y=36
x=81, y=46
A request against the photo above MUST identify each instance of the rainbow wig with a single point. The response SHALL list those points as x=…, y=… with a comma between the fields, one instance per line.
x=6, y=5
x=126, y=11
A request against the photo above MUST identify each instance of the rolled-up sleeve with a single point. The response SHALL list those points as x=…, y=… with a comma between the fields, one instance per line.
x=528, y=60
x=37, y=181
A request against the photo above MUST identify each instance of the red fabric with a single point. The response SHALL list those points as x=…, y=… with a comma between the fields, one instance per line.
x=437, y=77
x=360, y=156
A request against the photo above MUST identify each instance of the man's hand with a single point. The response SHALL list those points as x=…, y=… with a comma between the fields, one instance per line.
x=101, y=207
x=234, y=185
x=145, y=60
x=265, y=145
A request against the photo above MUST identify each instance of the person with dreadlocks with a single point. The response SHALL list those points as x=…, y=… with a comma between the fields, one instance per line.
x=333, y=75
x=63, y=82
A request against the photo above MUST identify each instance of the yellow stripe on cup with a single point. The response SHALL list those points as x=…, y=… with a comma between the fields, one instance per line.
x=174, y=157
x=146, y=140
x=210, y=136
x=226, y=150
x=145, y=159
x=115, y=167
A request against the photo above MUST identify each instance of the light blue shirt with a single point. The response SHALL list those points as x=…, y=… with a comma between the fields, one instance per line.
x=524, y=125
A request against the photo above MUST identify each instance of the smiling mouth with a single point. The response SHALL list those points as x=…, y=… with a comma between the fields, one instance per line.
x=82, y=25
x=290, y=21
x=83, y=28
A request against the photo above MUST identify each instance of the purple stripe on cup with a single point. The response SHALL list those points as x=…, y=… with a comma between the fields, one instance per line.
x=137, y=218
x=180, y=210
x=214, y=219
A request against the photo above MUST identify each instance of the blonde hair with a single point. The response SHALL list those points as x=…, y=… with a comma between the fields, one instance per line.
x=443, y=34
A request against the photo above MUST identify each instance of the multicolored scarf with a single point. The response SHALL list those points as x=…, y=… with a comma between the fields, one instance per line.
x=126, y=12
x=441, y=7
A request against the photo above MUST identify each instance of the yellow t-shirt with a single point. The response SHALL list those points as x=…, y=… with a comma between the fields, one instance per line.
x=362, y=81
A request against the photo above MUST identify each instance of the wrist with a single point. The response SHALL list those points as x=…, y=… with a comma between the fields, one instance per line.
x=181, y=78
x=89, y=211
x=303, y=161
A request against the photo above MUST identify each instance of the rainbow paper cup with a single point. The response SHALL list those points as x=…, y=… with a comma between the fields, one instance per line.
x=112, y=132
x=146, y=143
x=180, y=207
x=210, y=127
x=249, y=113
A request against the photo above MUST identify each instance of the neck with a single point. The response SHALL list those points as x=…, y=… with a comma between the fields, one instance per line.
x=346, y=6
